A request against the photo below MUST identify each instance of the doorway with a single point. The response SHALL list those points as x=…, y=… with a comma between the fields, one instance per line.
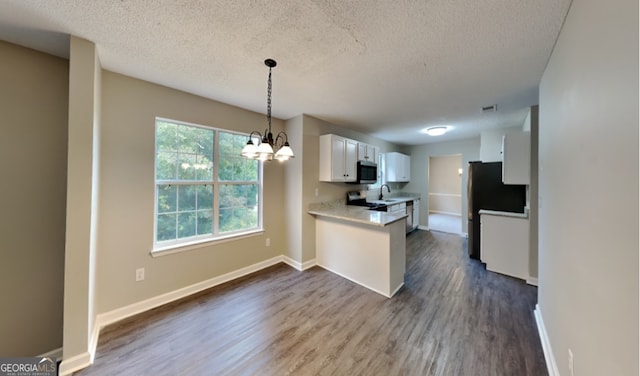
x=445, y=193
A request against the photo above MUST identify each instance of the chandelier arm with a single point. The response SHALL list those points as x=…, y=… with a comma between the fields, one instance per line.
x=281, y=135
x=255, y=132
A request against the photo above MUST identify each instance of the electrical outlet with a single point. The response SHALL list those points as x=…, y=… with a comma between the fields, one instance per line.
x=317, y=192
x=139, y=274
x=570, y=362
x=268, y=242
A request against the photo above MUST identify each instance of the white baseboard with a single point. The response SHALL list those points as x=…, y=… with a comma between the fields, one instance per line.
x=75, y=363
x=297, y=265
x=552, y=367
x=425, y=228
x=360, y=283
x=532, y=281
x=78, y=362
x=444, y=212
x=118, y=314
x=309, y=264
x=57, y=353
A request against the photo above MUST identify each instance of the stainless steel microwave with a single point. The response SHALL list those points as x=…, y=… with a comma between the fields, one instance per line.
x=366, y=172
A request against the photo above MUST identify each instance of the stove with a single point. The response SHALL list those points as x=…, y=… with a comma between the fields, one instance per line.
x=358, y=199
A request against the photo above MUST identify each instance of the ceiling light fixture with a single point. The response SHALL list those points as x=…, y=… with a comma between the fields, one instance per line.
x=436, y=131
x=264, y=150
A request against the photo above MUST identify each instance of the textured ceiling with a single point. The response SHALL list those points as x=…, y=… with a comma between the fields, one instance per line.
x=386, y=68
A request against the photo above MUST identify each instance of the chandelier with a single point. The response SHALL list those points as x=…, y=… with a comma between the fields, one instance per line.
x=264, y=150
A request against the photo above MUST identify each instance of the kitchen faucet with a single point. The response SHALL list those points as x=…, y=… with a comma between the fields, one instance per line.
x=382, y=186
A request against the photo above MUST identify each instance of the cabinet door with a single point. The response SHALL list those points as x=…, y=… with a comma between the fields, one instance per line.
x=406, y=168
x=373, y=152
x=362, y=151
x=338, y=145
x=516, y=149
x=350, y=160
x=398, y=167
x=390, y=168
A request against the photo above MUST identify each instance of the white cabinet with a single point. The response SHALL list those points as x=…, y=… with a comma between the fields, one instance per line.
x=397, y=167
x=367, y=153
x=504, y=244
x=516, y=157
x=338, y=158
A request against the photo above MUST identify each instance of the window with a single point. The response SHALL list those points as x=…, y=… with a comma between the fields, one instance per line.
x=204, y=189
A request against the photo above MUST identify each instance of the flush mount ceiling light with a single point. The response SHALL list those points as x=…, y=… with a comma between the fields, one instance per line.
x=264, y=150
x=436, y=131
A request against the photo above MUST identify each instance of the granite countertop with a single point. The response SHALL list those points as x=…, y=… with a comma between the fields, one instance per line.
x=359, y=214
x=524, y=215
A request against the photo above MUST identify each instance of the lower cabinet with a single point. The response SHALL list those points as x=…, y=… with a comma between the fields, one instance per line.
x=504, y=244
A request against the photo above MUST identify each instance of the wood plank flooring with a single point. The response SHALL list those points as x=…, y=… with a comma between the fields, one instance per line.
x=451, y=318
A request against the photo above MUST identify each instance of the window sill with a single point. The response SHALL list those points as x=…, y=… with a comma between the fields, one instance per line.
x=183, y=247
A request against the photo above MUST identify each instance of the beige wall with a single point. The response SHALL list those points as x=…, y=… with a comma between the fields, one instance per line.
x=129, y=108
x=82, y=198
x=445, y=188
x=588, y=190
x=470, y=151
x=312, y=128
x=33, y=147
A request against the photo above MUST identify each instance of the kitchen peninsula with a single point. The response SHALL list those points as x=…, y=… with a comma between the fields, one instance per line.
x=364, y=246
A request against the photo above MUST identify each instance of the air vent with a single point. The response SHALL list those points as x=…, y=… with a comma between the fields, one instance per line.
x=492, y=108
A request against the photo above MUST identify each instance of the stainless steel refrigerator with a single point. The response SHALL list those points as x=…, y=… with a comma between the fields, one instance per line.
x=485, y=190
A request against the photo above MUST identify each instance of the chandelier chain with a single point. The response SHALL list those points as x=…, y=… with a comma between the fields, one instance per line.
x=269, y=99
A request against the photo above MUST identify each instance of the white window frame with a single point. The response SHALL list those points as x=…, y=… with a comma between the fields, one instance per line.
x=198, y=241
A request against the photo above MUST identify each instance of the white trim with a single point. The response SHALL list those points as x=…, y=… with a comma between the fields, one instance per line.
x=297, y=265
x=309, y=264
x=425, y=228
x=75, y=363
x=446, y=194
x=78, y=362
x=533, y=281
x=447, y=213
x=118, y=314
x=398, y=289
x=362, y=284
x=552, y=367
x=93, y=340
x=56, y=353
x=177, y=248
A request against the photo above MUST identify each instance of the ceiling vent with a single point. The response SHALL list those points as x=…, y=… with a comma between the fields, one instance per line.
x=492, y=108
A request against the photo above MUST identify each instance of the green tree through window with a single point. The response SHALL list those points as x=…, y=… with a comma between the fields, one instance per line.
x=194, y=202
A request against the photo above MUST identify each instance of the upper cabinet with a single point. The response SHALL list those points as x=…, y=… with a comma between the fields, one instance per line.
x=516, y=157
x=397, y=167
x=338, y=158
x=368, y=153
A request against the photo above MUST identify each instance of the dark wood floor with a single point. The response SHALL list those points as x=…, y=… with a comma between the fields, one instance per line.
x=451, y=318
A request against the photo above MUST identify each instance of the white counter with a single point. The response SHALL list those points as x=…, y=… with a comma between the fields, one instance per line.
x=363, y=246
x=358, y=214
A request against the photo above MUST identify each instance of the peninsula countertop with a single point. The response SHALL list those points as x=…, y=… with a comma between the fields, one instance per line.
x=359, y=214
